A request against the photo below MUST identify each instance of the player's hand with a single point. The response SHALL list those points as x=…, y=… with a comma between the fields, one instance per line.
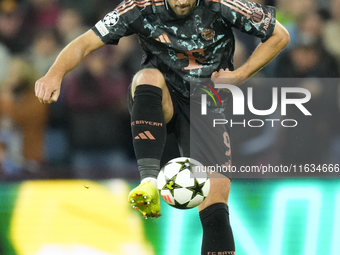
x=47, y=89
x=225, y=76
x=220, y=73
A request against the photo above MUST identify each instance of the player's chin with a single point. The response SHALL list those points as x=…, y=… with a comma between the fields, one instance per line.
x=181, y=16
x=182, y=13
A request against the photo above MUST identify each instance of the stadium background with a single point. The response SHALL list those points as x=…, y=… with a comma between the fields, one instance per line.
x=66, y=169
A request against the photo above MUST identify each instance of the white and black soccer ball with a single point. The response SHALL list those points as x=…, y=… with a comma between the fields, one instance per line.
x=111, y=18
x=183, y=185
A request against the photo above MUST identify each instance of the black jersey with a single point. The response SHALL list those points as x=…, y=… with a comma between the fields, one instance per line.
x=191, y=47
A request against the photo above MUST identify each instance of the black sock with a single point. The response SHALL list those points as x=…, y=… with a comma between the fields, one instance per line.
x=148, y=129
x=217, y=234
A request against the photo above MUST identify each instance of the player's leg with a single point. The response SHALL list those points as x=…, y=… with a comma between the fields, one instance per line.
x=154, y=78
x=214, y=214
x=152, y=108
x=219, y=191
x=197, y=139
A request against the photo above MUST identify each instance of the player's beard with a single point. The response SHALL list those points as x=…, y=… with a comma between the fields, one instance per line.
x=182, y=8
x=182, y=11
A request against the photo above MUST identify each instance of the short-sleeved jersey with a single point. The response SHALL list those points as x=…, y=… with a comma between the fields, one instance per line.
x=190, y=47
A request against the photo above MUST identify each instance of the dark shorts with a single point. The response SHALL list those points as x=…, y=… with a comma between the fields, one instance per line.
x=196, y=136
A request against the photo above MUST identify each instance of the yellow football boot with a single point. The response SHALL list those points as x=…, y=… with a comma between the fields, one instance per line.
x=145, y=198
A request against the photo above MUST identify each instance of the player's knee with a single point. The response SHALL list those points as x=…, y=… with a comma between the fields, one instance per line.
x=149, y=76
x=219, y=192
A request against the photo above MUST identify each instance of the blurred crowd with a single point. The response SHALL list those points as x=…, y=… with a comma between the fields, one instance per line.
x=86, y=134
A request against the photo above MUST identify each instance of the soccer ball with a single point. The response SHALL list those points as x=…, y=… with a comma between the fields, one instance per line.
x=181, y=184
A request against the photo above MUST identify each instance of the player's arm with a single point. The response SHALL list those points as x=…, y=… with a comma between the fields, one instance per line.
x=262, y=55
x=47, y=88
x=265, y=52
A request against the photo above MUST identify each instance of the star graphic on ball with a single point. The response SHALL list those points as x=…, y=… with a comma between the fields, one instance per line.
x=171, y=185
x=197, y=189
x=186, y=164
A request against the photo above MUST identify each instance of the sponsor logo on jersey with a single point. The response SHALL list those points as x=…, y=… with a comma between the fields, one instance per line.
x=257, y=16
x=111, y=18
x=101, y=28
x=208, y=34
x=163, y=38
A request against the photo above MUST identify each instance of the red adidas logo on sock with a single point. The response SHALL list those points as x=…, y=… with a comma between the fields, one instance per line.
x=146, y=135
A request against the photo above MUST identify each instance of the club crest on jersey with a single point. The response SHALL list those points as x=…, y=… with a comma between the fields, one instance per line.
x=111, y=18
x=208, y=34
x=257, y=16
